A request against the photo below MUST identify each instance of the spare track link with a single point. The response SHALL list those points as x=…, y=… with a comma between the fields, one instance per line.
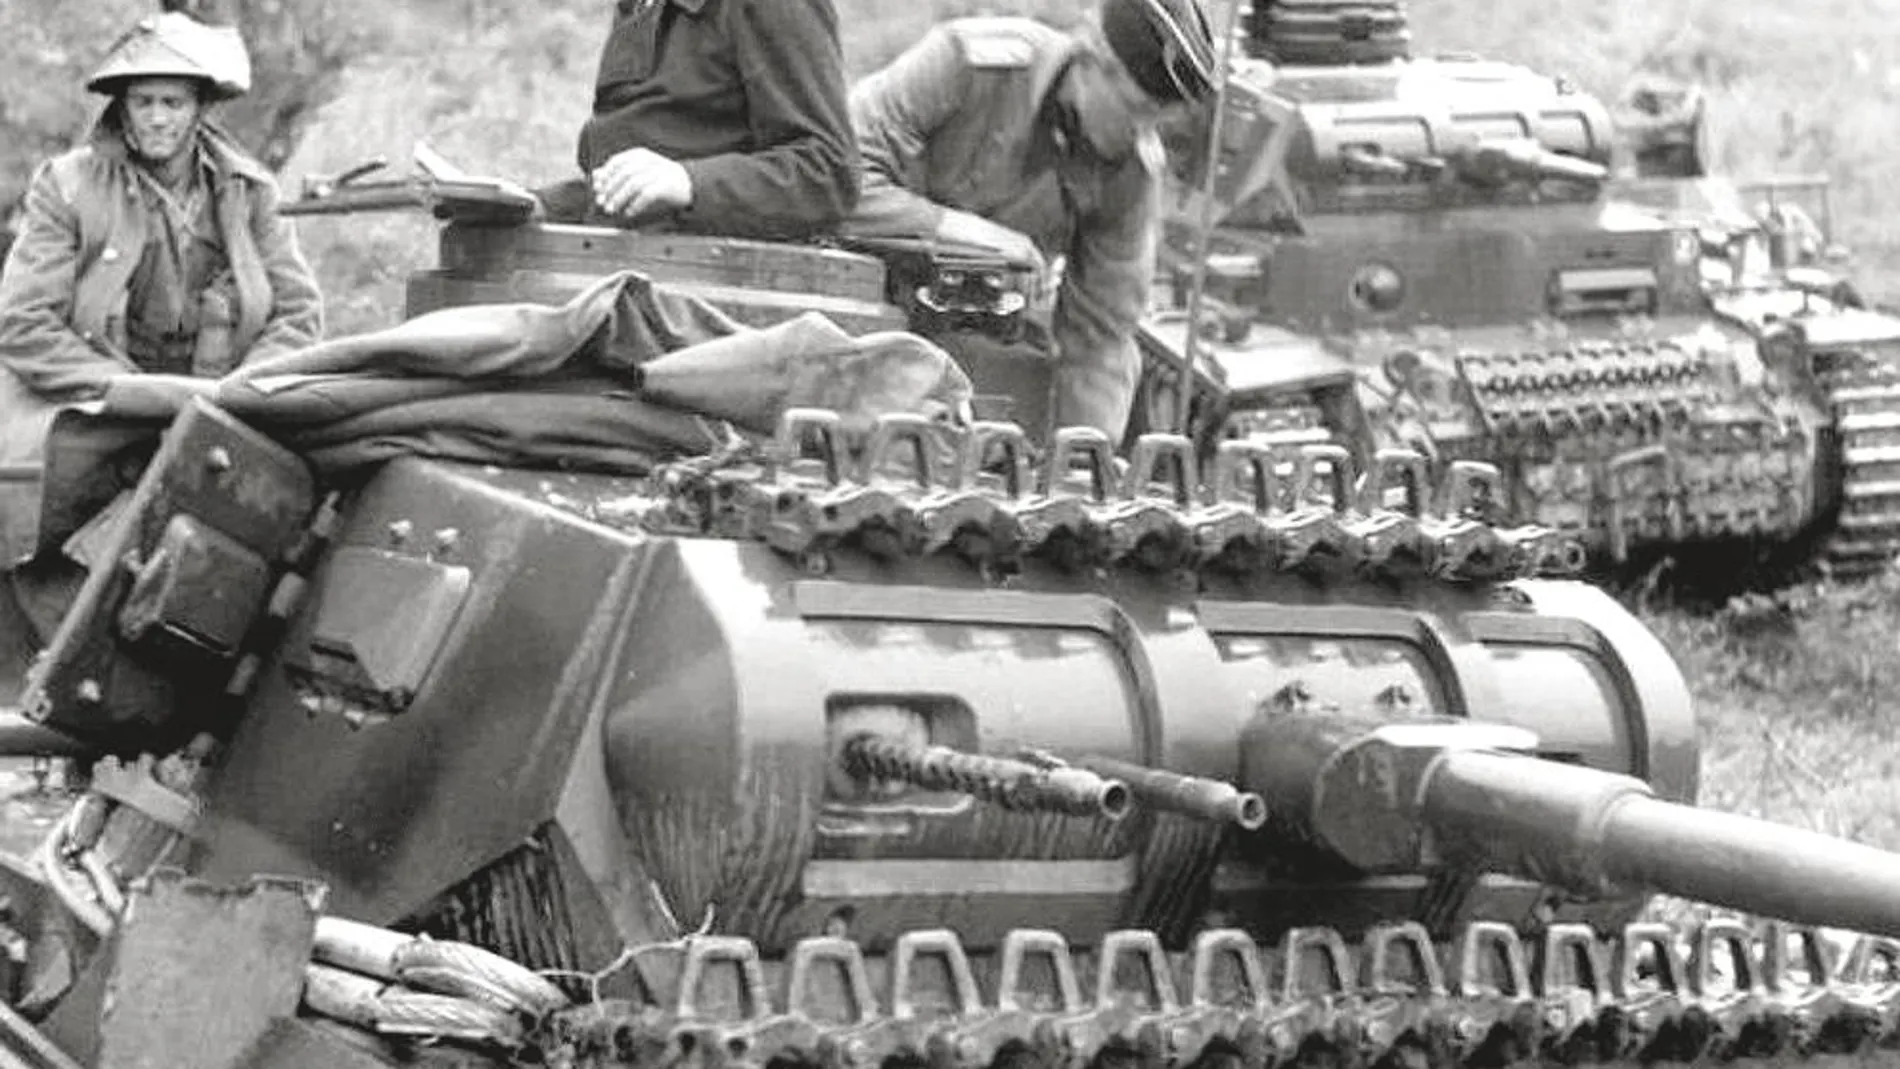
x=1262, y=508
x=1867, y=536
x=1721, y=992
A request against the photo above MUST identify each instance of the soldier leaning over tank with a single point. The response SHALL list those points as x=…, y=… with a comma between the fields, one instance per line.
x=155, y=246
x=1014, y=136
x=717, y=117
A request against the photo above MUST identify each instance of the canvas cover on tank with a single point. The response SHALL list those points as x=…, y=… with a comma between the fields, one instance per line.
x=625, y=373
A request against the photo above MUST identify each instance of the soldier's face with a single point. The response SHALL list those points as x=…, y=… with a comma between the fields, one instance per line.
x=160, y=114
x=1111, y=109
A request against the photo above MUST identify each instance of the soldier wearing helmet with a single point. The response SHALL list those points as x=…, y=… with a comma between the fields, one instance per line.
x=155, y=246
x=1042, y=145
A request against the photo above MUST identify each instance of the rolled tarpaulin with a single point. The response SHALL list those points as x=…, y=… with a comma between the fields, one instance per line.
x=374, y=1005
x=441, y=966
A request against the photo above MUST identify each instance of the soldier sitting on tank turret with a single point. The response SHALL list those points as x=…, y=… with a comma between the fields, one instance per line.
x=154, y=247
x=718, y=117
x=1010, y=135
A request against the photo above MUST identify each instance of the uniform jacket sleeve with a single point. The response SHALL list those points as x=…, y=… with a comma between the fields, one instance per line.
x=790, y=60
x=296, y=312
x=37, y=341
x=1110, y=267
x=897, y=111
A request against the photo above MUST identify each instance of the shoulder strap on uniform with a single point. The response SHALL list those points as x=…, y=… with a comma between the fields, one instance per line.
x=994, y=44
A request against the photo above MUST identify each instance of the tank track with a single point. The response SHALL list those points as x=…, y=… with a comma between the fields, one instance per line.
x=1628, y=425
x=1867, y=418
x=1722, y=991
x=1273, y=506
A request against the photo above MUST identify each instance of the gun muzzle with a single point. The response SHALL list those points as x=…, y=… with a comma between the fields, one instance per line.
x=1195, y=796
x=1499, y=161
x=1549, y=164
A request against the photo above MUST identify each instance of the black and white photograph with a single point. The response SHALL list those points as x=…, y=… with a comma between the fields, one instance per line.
x=949, y=534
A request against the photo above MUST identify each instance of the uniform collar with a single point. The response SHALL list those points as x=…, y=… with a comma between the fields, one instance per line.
x=1056, y=136
x=198, y=175
x=218, y=152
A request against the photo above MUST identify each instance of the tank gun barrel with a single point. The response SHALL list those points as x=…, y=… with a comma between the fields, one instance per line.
x=1040, y=786
x=1494, y=162
x=1620, y=833
x=1549, y=164
x=1391, y=797
x=1211, y=800
x=1365, y=160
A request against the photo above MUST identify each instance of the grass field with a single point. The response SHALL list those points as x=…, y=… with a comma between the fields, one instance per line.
x=1797, y=696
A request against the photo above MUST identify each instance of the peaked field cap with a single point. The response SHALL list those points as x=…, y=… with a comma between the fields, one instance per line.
x=1165, y=44
x=175, y=45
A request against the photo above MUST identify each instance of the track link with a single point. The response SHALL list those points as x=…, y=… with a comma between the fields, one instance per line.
x=1721, y=992
x=1867, y=537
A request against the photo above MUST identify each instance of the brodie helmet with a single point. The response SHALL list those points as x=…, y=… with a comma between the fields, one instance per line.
x=175, y=45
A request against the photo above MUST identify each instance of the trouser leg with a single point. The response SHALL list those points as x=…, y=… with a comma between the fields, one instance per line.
x=1012, y=380
x=1096, y=389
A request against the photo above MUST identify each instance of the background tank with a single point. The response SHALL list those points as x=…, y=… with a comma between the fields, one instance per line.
x=1445, y=229
x=1772, y=263
x=793, y=759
